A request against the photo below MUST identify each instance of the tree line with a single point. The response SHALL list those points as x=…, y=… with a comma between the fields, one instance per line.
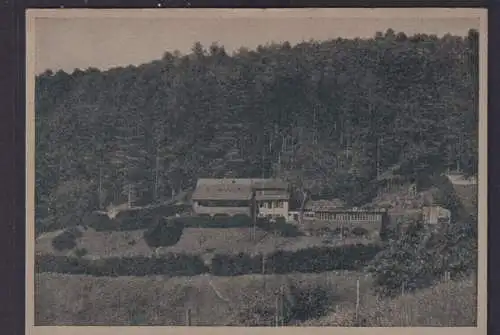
x=328, y=115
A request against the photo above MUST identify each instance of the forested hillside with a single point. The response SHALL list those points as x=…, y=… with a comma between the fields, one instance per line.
x=328, y=115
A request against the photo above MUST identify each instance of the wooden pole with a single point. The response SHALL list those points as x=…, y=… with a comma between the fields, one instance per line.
x=282, y=307
x=188, y=317
x=357, y=300
x=276, y=318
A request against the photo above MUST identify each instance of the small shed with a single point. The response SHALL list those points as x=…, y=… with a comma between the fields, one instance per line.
x=434, y=215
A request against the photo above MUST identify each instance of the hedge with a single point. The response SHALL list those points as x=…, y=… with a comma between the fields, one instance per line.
x=128, y=220
x=217, y=221
x=169, y=264
x=315, y=259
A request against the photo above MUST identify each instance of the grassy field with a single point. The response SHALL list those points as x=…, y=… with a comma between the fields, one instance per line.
x=326, y=299
x=250, y=299
x=193, y=241
x=447, y=304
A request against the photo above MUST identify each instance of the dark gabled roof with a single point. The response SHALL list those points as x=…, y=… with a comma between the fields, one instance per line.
x=256, y=183
x=272, y=195
x=222, y=192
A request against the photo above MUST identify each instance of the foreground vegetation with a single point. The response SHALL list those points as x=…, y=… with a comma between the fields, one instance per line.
x=326, y=299
x=446, y=304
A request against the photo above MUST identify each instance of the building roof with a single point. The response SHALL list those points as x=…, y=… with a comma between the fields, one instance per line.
x=325, y=205
x=256, y=183
x=222, y=192
x=272, y=195
x=240, y=189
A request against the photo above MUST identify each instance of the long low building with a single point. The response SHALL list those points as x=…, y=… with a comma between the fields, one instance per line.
x=252, y=197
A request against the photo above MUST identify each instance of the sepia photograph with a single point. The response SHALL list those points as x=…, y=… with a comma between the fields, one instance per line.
x=256, y=168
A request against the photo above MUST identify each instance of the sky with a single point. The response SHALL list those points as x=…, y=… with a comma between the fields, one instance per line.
x=106, y=42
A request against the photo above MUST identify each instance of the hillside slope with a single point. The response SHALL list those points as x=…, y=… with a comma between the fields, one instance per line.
x=327, y=115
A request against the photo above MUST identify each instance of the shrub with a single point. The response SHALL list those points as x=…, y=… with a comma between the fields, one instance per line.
x=66, y=240
x=359, y=231
x=80, y=252
x=310, y=302
x=286, y=229
x=163, y=234
x=407, y=261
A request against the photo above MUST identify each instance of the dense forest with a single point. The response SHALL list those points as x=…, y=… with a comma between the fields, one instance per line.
x=329, y=116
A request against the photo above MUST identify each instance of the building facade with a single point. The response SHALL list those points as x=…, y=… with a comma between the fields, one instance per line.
x=252, y=197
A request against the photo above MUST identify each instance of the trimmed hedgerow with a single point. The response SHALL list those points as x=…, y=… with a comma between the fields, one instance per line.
x=217, y=221
x=315, y=259
x=168, y=264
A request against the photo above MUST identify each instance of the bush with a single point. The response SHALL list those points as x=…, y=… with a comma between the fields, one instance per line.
x=359, y=231
x=81, y=252
x=163, y=234
x=66, y=240
x=286, y=229
x=420, y=257
x=407, y=261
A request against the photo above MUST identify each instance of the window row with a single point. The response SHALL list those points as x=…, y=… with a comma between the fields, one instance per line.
x=348, y=217
x=272, y=204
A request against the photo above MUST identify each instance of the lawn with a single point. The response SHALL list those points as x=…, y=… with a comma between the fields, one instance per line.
x=200, y=241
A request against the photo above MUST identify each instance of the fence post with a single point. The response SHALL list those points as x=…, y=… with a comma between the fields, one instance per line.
x=263, y=263
x=188, y=317
x=357, y=300
x=276, y=317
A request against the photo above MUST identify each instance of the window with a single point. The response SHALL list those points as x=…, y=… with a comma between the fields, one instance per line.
x=281, y=204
